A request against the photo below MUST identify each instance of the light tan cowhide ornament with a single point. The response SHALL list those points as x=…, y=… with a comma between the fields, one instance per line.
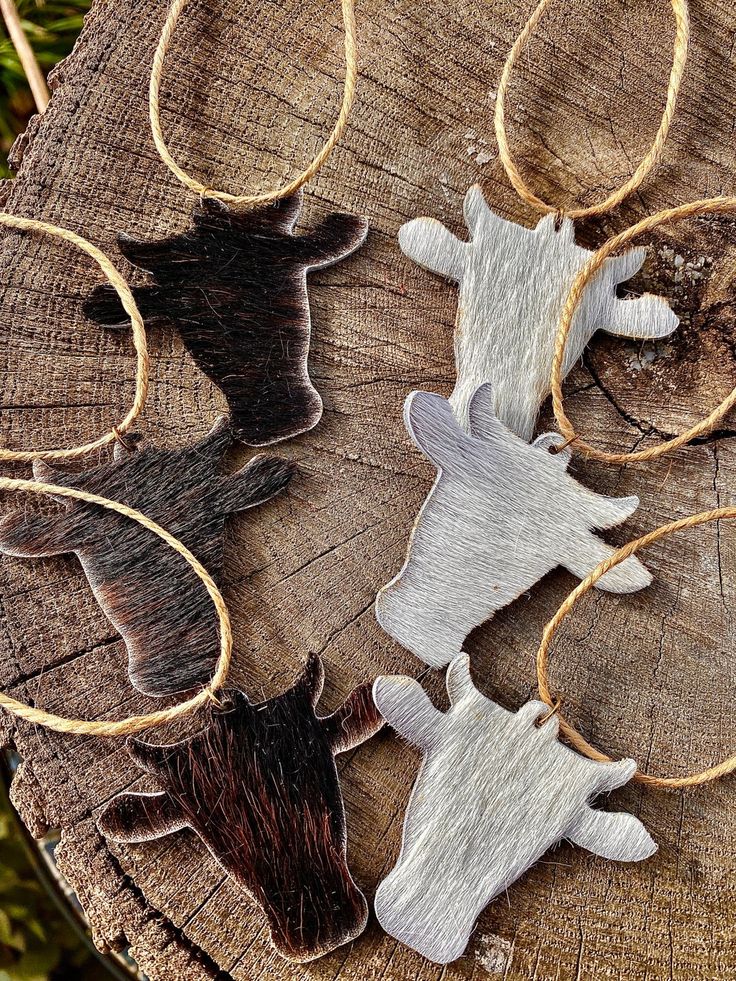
x=513, y=285
x=502, y=514
x=495, y=791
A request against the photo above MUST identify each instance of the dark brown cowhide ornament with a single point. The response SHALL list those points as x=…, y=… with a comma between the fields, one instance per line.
x=147, y=591
x=235, y=288
x=260, y=787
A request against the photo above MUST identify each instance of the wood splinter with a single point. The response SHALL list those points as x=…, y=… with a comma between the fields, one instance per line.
x=234, y=287
x=260, y=787
x=150, y=596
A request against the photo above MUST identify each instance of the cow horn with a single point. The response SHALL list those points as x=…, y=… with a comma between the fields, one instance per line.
x=459, y=681
x=312, y=678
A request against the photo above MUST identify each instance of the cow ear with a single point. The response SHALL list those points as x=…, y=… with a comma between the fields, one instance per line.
x=482, y=419
x=405, y=706
x=615, y=836
x=141, y=817
x=459, y=681
x=430, y=422
x=33, y=536
x=311, y=680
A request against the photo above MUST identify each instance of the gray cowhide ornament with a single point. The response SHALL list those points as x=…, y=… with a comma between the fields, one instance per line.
x=513, y=285
x=495, y=791
x=502, y=514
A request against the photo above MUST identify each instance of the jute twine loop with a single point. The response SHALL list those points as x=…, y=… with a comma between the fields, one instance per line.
x=571, y=734
x=650, y=160
x=139, y=341
x=135, y=723
x=702, y=428
x=351, y=75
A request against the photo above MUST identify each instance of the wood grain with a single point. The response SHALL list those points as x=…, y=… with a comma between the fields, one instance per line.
x=249, y=96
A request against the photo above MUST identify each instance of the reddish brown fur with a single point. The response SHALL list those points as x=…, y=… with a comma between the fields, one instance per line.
x=260, y=787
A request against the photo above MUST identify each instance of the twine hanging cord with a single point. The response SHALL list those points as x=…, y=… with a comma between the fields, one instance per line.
x=571, y=734
x=135, y=723
x=268, y=197
x=139, y=342
x=694, y=209
x=650, y=160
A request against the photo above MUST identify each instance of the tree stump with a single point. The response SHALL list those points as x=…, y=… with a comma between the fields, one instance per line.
x=248, y=96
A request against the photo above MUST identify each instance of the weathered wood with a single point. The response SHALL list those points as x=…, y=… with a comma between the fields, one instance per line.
x=235, y=289
x=145, y=589
x=260, y=788
x=249, y=94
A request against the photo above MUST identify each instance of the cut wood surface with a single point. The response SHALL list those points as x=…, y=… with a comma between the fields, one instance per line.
x=249, y=94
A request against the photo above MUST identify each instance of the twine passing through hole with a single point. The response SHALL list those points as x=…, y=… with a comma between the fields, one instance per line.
x=571, y=734
x=652, y=157
x=706, y=206
x=135, y=723
x=139, y=342
x=267, y=197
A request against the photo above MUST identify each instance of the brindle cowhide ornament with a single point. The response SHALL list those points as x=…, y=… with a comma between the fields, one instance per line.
x=260, y=787
x=501, y=515
x=513, y=285
x=145, y=589
x=235, y=288
x=495, y=791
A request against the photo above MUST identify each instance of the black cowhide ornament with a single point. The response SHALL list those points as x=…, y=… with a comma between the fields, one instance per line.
x=260, y=787
x=234, y=286
x=147, y=591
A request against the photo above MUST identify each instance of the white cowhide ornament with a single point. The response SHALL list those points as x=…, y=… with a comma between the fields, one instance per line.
x=513, y=285
x=502, y=514
x=494, y=793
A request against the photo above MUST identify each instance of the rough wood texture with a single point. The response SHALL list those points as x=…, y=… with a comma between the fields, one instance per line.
x=235, y=288
x=648, y=676
x=495, y=791
x=501, y=515
x=260, y=788
x=148, y=593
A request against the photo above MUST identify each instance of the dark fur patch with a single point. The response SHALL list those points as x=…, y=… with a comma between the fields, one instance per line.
x=260, y=787
x=147, y=591
x=235, y=288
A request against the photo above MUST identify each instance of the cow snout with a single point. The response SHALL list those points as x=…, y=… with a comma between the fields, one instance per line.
x=319, y=918
x=423, y=918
